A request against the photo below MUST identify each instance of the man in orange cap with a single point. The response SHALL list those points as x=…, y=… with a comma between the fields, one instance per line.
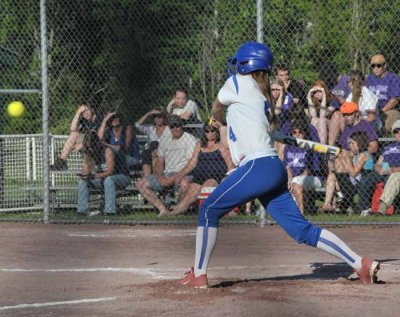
x=353, y=123
x=386, y=86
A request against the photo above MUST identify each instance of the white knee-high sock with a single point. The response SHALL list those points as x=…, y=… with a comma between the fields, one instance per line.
x=205, y=243
x=335, y=246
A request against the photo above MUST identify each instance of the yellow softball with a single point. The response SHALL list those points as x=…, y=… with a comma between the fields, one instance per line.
x=15, y=109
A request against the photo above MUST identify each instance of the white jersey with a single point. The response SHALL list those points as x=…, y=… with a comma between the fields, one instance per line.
x=248, y=126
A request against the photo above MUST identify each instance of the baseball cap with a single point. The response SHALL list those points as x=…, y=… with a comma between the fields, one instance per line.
x=349, y=107
x=176, y=121
x=396, y=125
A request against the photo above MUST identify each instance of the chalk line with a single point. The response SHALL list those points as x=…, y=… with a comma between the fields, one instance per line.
x=71, y=302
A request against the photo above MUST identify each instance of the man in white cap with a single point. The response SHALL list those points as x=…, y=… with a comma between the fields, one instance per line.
x=386, y=86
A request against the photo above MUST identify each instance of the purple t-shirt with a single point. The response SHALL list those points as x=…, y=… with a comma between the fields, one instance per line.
x=384, y=88
x=391, y=154
x=341, y=89
x=313, y=132
x=362, y=126
x=297, y=159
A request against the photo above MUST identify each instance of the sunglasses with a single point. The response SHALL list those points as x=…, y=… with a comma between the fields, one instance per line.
x=376, y=65
x=395, y=131
x=348, y=114
x=210, y=130
x=157, y=115
x=175, y=126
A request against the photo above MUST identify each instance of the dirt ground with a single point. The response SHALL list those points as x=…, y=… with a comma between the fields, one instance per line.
x=97, y=270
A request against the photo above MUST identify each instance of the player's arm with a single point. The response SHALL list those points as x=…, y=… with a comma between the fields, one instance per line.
x=390, y=104
x=217, y=110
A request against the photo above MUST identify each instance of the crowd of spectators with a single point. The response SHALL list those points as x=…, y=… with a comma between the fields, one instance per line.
x=352, y=115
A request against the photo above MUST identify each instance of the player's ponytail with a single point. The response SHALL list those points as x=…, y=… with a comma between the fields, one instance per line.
x=262, y=79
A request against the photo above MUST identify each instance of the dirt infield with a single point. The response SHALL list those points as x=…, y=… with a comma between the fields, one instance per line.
x=96, y=270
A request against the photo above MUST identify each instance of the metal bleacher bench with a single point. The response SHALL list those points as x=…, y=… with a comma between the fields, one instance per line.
x=54, y=189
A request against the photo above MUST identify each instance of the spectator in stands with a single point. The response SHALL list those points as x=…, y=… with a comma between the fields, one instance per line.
x=158, y=130
x=182, y=106
x=111, y=173
x=282, y=99
x=300, y=165
x=296, y=113
x=357, y=163
x=173, y=154
x=294, y=87
x=319, y=109
x=121, y=137
x=354, y=123
x=208, y=166
x=340, y=92
x=386, y=86
x=85, y=119
x=388, y=163
x=391, y=192
x=363, y=97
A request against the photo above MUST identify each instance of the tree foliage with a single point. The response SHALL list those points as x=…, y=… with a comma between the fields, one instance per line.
x=130, y=55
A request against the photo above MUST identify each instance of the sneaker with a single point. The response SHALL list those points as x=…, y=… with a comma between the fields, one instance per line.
x=59, y=165
x=368, y=271
x=365, y=212
x=95, y=213
x=189, y=275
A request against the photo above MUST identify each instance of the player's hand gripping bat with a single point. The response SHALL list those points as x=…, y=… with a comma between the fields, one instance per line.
x=306, y=144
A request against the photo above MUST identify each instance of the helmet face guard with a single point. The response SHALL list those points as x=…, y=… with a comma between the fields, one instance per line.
x=250, y=57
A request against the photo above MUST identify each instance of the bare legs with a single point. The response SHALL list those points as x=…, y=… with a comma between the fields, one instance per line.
x=336, y=126
x=73, y=143
x=189, y=196
x=144, y=187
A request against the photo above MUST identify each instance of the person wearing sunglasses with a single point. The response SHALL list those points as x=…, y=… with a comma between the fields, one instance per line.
x=387, y=164
x=386, y=86
x=301, y=165
x=156, y=131
x=173, y=154
x=114, y=132
x=111, y=173
x=207, y=167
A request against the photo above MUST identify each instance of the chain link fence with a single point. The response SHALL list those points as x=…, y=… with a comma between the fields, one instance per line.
x=134, y=56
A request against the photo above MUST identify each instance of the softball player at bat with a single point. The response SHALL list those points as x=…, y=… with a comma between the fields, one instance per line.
x=259, y=174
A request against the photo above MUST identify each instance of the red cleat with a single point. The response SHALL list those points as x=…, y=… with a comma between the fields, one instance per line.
x=189, y=275
x=191, y=280
x=368, y=271
x=199, y=282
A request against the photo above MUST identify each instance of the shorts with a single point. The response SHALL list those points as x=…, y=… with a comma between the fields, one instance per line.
x=308, y=182
x=155, y=185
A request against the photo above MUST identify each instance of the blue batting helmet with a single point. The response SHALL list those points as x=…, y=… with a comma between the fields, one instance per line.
x=251, y=56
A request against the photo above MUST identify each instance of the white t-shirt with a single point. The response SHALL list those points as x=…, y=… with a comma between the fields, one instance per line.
x=150, y=130
x=248, y=126
x=176, y=152
x=368, y=101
